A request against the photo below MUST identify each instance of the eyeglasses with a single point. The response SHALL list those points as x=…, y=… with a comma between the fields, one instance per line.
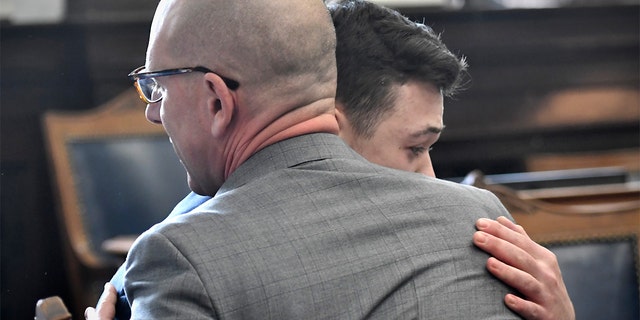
x=151, y=92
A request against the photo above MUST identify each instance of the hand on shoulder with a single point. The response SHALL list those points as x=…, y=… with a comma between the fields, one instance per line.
x=527, y=266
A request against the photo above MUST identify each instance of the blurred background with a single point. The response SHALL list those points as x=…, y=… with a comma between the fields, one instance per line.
x=547, y=78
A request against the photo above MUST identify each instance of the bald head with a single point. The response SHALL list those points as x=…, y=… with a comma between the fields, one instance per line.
x=266, y=45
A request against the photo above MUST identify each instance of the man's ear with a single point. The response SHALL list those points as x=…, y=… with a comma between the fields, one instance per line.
x=340, y=117
x=221, y=104
x=346, y=130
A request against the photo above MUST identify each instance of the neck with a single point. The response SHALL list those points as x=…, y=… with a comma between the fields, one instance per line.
x=248, y=142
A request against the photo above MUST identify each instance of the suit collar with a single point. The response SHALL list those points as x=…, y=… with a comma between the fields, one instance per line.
x=286, y=154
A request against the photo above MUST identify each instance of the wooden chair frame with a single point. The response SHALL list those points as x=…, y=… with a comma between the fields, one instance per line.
x=582, y=215
x=571, y=213
x=121, y=117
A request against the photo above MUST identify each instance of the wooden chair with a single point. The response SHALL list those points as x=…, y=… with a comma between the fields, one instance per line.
x=594, y=230
x=115, y=174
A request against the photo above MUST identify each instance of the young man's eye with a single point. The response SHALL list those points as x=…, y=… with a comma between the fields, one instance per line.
x=419, y=150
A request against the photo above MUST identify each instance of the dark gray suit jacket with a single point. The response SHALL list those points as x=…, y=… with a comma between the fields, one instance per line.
x=308, y=229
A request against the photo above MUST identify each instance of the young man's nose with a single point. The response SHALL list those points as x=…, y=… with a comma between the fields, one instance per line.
x=426, y=168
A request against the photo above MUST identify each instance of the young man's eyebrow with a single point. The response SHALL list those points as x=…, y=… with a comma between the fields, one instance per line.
x=429, y=130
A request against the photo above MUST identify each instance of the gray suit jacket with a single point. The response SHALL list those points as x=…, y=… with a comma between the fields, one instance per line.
x=308, y=229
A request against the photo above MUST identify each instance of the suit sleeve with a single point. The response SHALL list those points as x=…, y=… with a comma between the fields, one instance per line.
x=123, y=311
x=161, y=283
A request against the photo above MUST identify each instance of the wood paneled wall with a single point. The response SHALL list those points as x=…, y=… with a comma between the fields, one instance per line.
x=541, y=81
x=525, y=64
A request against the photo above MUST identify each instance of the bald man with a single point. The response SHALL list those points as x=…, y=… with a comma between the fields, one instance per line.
x=299, y=225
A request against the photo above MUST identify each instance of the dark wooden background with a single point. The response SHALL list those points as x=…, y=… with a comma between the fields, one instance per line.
x=520, y=61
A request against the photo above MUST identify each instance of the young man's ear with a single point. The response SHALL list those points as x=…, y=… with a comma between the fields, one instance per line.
x=346, y=130
x=340, y=117
x=221, y=104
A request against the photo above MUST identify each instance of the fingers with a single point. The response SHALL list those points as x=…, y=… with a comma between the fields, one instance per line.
x=522, y=281
x=90, y=314
x=109, y=295
x=537, y=302
x=525, y=308
x=516, y=267
x=526, y=266
x=502, y=228
x=510, y=243
x=511, y=225
x=106, y=307
x=513, y=234
x=506, y=245
x=537, y=306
